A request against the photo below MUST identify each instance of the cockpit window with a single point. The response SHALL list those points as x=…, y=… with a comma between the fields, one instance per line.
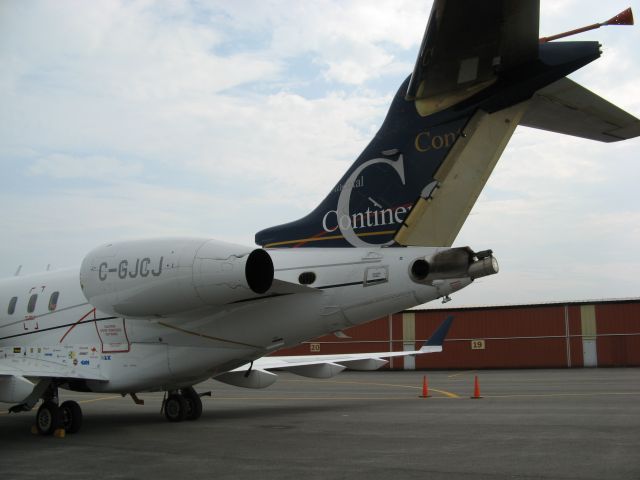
x=12, y=305
x=31, y=306
x=53, y=301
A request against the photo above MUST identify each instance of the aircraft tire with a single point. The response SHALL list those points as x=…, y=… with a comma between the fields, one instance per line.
x=194, y=403
x=48, y=418
x=175, y=408
x=71, y=416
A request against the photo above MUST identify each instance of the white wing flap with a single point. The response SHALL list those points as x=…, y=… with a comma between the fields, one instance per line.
x=256, y=374
x=293, y=363
x=326, y=366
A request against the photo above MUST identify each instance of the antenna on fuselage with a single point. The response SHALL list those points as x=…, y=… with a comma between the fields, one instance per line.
x=18, y=271
x=623, y=18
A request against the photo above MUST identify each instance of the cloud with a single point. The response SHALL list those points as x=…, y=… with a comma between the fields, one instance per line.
x=93, y=167
x=125, y=119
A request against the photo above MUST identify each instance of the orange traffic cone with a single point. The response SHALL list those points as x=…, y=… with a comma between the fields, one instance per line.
x=425, y=388
x=476, y=389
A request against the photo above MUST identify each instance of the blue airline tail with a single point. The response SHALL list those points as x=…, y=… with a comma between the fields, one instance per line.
x=416, y=181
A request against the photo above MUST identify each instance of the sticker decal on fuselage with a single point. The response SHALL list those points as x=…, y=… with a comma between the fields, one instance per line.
x=113, y=336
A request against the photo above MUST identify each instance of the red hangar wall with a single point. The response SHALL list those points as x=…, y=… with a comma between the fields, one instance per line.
x=603, y=333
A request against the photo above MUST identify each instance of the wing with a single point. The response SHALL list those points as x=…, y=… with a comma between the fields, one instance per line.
x=257, y=375
x=466, y=42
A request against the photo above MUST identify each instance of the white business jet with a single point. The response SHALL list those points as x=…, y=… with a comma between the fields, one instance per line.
x=166, y=314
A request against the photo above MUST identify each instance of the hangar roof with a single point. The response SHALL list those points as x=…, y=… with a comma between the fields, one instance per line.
x=531, y=305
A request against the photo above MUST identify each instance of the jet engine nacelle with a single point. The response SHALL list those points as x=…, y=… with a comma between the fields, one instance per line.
x=454, y=263
x=166, y=276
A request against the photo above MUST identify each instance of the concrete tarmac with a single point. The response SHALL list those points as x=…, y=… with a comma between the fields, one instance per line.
x=552, y=424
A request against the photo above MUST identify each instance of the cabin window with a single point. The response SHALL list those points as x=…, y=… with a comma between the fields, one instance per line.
x=307, y=278
x=31, y=306
x=12, y=305
x=53, y=301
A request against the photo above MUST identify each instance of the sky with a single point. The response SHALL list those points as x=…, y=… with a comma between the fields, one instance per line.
x=140, y=119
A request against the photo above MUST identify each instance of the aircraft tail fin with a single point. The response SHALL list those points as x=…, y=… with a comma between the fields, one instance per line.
x=480, y=72
x=569, y=108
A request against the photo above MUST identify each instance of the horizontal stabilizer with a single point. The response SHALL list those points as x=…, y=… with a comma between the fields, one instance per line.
x=569, y=108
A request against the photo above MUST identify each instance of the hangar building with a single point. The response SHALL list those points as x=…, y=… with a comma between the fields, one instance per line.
x=603, y=333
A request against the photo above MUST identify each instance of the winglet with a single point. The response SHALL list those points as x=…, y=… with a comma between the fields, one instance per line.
x=437, y=339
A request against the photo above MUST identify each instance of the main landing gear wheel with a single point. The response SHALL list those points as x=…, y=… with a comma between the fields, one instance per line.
x=194, y=403
x=71, y=416
x=48, y=418
x=175, y=408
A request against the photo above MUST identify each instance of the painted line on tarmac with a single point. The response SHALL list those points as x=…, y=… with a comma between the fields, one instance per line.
x=446, y=393
x=100, y=399
x=90, y=400
x=375, y=384
x=319, y=398
x=461, y=373
x=555, y=395
x=298, y=398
